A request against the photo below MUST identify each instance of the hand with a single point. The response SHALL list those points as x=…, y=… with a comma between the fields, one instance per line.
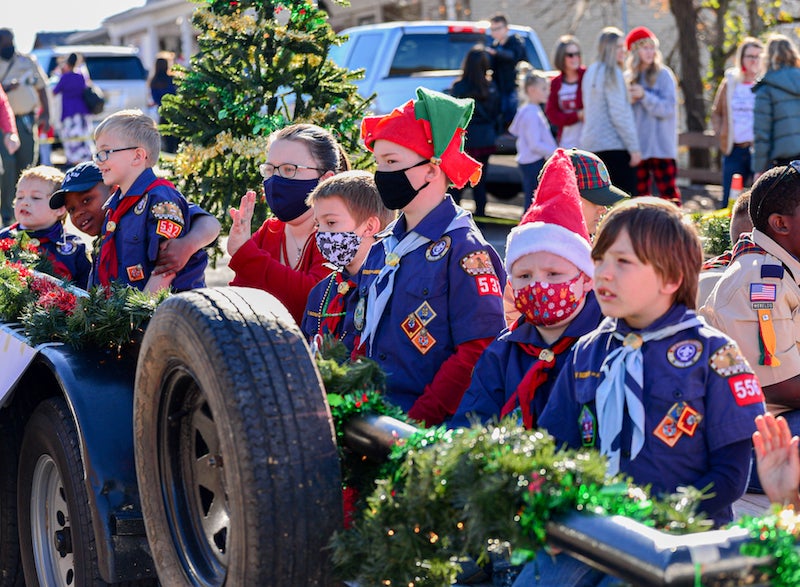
x=636, y=92
x=777, y=459
x=636, y=158
x=173, y=254
x=11, y=142
x=240, y=230
x=580, y=115
x=158, y=282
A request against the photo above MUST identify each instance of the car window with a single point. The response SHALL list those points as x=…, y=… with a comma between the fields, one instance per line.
x=365, y=51
x=432, y=52
x=118, y=67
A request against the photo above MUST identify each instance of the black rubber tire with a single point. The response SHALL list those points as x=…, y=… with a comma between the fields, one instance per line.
x=11, y=569
x=51, y=482
x=236, y=457
x=503, y=191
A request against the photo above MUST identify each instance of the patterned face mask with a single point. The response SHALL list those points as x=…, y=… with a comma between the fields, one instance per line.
x=339, y=248
x=545, y=304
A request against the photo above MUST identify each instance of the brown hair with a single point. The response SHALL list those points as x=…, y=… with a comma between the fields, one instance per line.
x=661, y=237
x=324, y=148
x=358, y=192
x=560, y=58
x=46, y=173
x=781, y=52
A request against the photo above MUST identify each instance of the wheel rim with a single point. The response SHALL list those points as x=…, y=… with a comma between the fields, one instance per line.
x=193, y=480
x=50, y=521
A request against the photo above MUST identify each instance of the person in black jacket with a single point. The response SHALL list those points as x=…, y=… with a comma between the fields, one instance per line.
x=506, y=51
x=475, y=83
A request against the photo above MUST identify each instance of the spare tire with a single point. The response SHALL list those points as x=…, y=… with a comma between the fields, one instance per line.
x=236, y=456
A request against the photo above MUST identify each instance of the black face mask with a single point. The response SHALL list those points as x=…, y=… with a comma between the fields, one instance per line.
x=7, y=52
x=395, y=189
x=287, y=197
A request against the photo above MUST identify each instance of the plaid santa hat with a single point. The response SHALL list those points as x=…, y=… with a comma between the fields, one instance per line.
x=554, y=222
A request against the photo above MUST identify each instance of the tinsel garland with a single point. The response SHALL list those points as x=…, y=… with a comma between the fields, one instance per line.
x=50, y=310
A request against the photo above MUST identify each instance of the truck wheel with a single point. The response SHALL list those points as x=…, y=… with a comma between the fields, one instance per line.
x=11, y=565
x=236, y=458
x=55, y=527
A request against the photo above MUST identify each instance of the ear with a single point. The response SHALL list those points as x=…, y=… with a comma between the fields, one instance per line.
x=670, y=287
x=326, y=175
x=372, y=226
x=588, y=284
x=434, y=171
x=778, y=224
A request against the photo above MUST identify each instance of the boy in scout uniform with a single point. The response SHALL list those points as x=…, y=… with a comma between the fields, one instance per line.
x=143, y=211
x=757, y=299
x=436, y=301
x=670, y=401
x=550, y=268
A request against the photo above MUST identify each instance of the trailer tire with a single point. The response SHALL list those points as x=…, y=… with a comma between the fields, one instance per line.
x=52, y=500
x=11, y=569
x=236, y=457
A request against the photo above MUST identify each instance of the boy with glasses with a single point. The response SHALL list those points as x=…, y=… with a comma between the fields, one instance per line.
x=756, y=300
x=143, y=211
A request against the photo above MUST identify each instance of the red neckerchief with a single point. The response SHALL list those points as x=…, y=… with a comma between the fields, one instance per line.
x=536, y=376
x=107, y=266
x=333, y=312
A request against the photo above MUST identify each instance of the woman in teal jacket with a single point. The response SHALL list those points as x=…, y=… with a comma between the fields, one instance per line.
x=776, y=117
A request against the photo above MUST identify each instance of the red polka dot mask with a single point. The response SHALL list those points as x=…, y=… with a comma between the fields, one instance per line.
x=546, y=304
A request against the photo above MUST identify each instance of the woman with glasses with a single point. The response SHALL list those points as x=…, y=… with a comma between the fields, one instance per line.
x=776, y=115
x=564, y=107
x=282, y=256
x=732, y=114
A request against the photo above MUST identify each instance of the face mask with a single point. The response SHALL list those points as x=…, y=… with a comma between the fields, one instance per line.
x=7, y=52
x=545, y=304
x=395, y=189
x=287, y=197
x=339, y=248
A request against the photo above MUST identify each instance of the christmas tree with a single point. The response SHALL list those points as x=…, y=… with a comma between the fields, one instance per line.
x=260, y=66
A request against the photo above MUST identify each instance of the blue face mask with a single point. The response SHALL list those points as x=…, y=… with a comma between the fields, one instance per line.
x=287, y=197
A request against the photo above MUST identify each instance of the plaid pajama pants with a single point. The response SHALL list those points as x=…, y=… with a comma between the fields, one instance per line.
x=662, y=172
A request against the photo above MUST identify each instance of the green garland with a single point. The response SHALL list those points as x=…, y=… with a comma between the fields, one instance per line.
x=775, y=534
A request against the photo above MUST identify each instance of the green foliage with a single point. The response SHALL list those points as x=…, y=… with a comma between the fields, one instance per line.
x=261, y=65
x=714, y=230
x=775, y=535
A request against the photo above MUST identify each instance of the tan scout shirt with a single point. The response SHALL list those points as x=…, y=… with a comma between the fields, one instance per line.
x=24, y=99
x=730, y=309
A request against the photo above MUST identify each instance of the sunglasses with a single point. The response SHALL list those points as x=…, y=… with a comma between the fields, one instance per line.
x=576, y=54
x=784, y=174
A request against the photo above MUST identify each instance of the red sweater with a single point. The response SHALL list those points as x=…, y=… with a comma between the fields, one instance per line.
x=257, y=264
x=8, y=124
x=555, y=115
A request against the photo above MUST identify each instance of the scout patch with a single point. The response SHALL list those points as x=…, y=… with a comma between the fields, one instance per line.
x=745, y=389
x=729, y=361
x=438, y=249
x=488, y=285
x=688, y=420
x=587, y=423
x=477, y=263
x=168, y=229
x=685, y=353
x=170, y=219
x=425, y=313
x=762, y=292
x=66, y=248
x=411, y=326
x=135, y=273
x=667, y=430
x=141, y=205
x=359, y=313
x=424, y=341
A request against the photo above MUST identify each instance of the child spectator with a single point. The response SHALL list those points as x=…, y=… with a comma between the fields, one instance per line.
x=143, y=211
x=282, y=257
x=668, y=400
x=756, y=299
x=349, y=213
x=446, y=277
x=549, y=263
x=535, y=142
x=44, y=226
x=84, y=194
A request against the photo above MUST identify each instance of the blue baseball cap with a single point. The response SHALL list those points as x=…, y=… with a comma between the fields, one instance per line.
x=83, y=177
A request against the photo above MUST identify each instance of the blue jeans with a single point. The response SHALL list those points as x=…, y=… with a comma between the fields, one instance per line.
x=529, y=174
x=739, y=161
x=792, y=418
x=561, y=570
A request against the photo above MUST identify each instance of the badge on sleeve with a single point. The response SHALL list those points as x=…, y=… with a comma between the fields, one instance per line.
x=746, y=389
x=685, y=353
x=66, y=248
x=169, y=219
x=438, y=249
x=763, y=292
x=478, y=263
x=729, y=361
x=135, y=272
x=586, y=421
x=141, y=205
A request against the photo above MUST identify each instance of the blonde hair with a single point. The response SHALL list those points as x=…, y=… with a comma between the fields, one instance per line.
x=137, y=128
x=607, y=52
x=47, y=174
x=746, y=43
x=781, y=52
x=633, y=62
x=358, y=192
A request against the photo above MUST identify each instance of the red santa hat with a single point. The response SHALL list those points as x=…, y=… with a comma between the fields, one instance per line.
x=554, y=222
x=640, y=33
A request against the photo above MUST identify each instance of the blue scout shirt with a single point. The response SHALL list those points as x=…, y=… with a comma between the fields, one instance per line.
x=504, y=363
x=160, y=214
x=66, y=251
x=445, y=293
x=318, y=308
x=700, y=395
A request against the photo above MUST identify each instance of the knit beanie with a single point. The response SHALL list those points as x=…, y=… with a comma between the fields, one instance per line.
x=432, y=126
x=637, y=34
x=554, y=222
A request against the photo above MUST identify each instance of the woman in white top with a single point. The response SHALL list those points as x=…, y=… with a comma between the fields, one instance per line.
x=732, y=114
x=564, y=107
x=608, y=127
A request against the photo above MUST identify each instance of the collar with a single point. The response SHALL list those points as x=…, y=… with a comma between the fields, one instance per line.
x=138, y=187
x=435, y=223
x=676, y=314
x=777, y=251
